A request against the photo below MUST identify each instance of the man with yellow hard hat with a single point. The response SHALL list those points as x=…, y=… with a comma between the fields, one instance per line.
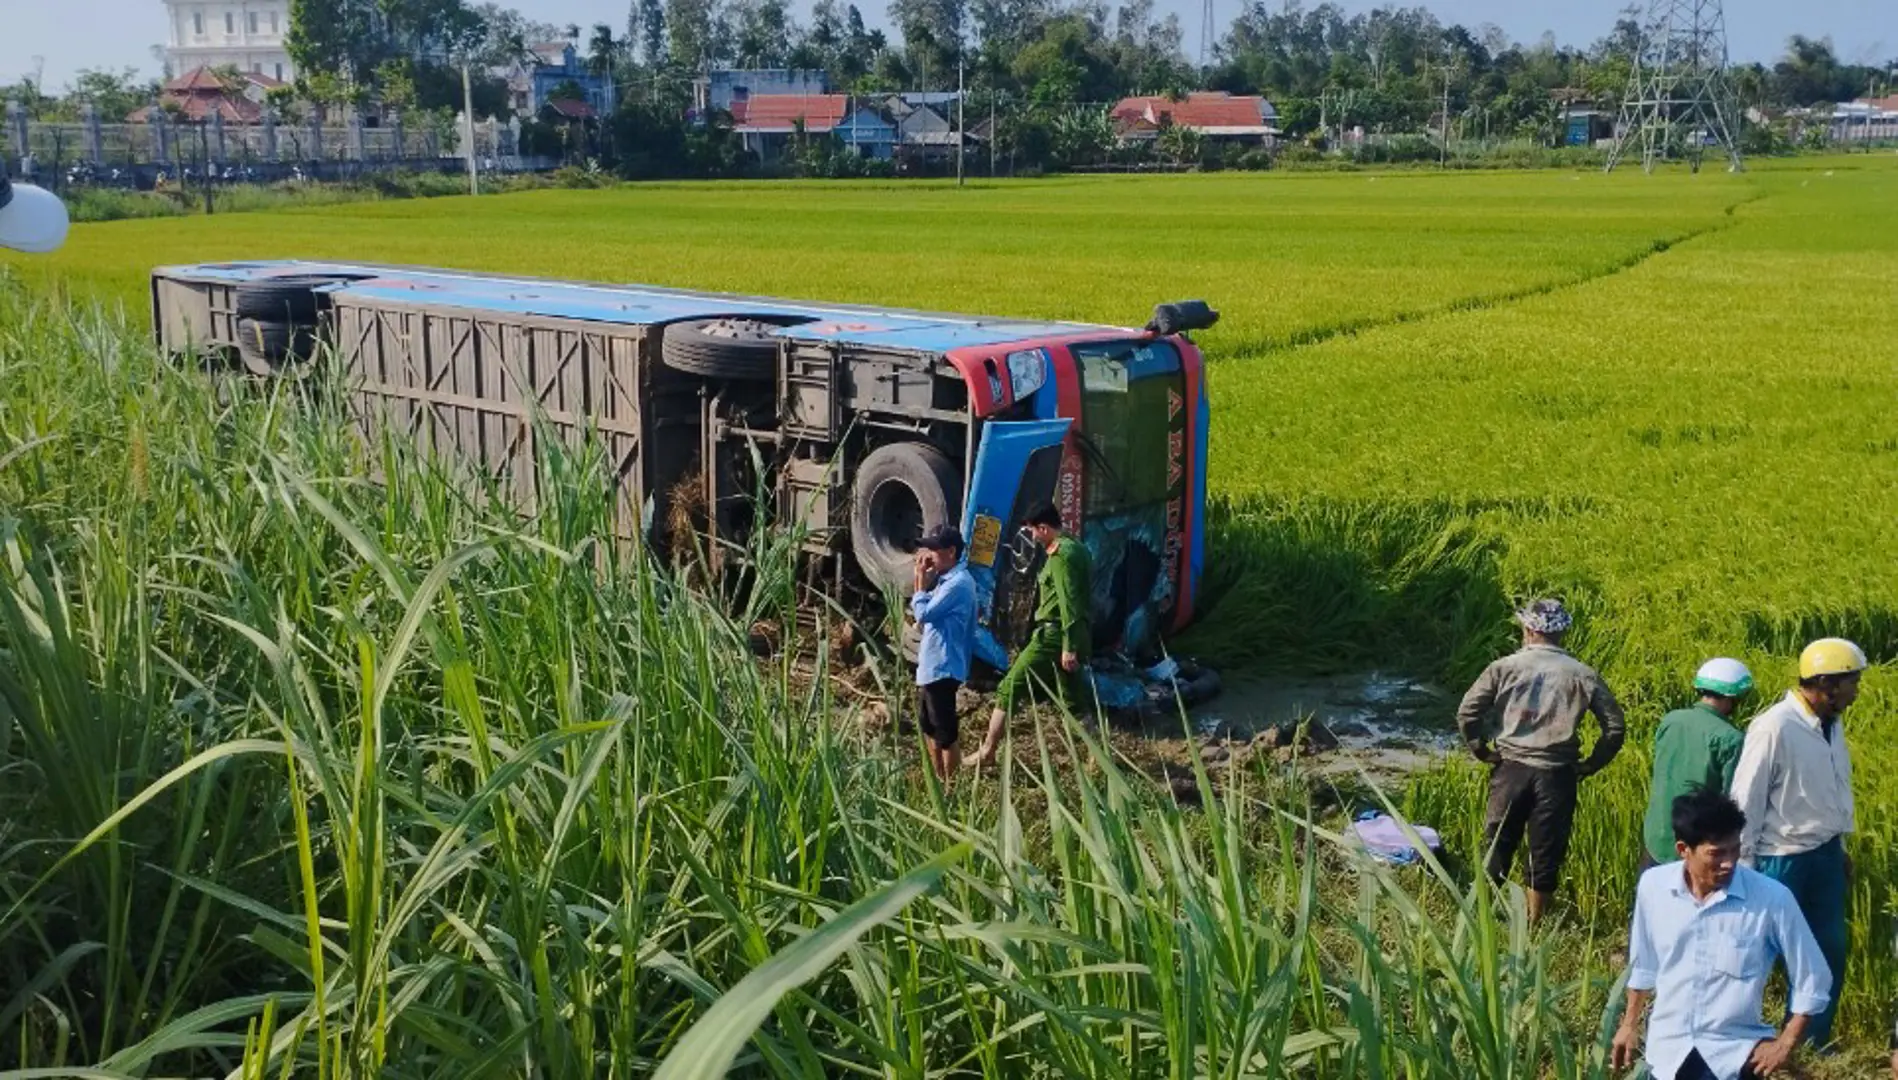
x=1794, y=783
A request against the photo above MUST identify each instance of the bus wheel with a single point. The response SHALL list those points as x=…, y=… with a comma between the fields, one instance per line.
x=286, y=298
x=742, y=347
x=274, y=348
x=901, y=490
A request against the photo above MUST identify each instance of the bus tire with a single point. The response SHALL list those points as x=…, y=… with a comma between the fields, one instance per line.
x=291, y=298
x=741, y=349
x=268, y=348
x=901, y=491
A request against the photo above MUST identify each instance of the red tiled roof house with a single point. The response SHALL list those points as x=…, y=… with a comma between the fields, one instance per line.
x=200, y=93
x=1213, y=114
x=766, y=123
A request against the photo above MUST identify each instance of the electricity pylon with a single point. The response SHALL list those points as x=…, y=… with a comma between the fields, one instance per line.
x=1678, y=94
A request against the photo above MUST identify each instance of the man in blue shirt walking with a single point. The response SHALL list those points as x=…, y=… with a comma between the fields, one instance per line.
x=1705, y=934
x=944, y=606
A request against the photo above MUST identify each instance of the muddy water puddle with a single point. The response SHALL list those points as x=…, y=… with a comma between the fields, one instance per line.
x=1386, y=725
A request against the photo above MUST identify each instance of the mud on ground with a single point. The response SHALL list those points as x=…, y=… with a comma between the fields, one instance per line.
x=1346, y=733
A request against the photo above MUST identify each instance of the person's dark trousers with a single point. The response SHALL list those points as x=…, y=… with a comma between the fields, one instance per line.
x=1695, y=1068
x=1817, y=881
x=1538, y=802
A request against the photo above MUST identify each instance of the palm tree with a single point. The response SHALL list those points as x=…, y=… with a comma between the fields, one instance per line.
x=603, y=54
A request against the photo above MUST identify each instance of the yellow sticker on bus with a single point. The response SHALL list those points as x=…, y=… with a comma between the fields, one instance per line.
x=988, y=536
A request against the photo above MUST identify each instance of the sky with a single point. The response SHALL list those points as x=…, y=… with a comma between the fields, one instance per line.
x=54, y=40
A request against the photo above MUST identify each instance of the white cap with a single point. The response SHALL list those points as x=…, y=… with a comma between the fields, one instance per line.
x=1724, y=675
x=32, y=219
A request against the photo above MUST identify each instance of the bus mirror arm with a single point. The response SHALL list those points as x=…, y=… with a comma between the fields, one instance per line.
x=1180, y=317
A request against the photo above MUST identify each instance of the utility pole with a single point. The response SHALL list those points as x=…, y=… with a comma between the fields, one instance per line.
x=467, y=113
x=961, y=131
x=1205, y=37
x=204, y=168
x=1443, y=124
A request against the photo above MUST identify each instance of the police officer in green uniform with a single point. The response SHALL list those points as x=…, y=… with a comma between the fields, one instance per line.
x=1059, y=644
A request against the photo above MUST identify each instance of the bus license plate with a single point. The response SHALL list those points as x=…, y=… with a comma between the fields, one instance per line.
x=988, y=535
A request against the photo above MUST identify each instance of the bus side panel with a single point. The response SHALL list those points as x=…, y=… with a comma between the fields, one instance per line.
x=192, y=314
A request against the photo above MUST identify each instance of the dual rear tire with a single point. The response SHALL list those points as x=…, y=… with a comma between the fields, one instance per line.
x=276, y=321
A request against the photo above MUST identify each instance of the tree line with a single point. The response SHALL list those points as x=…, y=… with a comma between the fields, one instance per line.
x=1048, y=68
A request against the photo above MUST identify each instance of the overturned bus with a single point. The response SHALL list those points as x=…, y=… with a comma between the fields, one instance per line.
x=863, y=426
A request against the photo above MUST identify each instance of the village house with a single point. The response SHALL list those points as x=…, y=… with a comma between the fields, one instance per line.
x=1211, y=114
x=199, y=94
x=1866, y=120
x=767, y=124
x=549, y=66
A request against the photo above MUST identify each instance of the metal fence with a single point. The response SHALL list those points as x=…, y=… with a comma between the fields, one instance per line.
x=137, y=155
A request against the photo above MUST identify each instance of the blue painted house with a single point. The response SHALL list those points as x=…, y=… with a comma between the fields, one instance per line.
x=721, y=88
x=547, y=67
x=869, y=133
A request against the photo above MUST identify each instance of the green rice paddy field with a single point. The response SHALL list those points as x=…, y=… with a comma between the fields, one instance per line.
x=1670, y=399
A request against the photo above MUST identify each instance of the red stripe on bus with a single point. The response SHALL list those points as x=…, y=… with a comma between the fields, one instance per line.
x=1067, y=401
x=1193, y=367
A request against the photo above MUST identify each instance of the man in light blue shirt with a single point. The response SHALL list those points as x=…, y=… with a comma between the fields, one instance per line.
x=1705, y=934
x=944, y=606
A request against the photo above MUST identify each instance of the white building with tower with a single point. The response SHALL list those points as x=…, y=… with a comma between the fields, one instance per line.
x=244, y=34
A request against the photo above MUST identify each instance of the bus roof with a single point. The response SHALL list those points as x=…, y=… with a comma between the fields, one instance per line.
x=855, y=324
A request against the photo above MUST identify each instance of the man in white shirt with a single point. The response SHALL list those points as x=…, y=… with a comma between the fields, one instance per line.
x=1794, y=784
x=1705, y=933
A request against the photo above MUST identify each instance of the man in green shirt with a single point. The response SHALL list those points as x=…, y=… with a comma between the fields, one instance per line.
x=1694, y=749
x=1060, y=642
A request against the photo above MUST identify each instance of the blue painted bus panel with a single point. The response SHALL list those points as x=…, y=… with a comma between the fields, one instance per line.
x=634, y=305
x=1001, y=464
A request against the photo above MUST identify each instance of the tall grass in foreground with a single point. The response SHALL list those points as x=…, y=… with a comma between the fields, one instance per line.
x=313, y=776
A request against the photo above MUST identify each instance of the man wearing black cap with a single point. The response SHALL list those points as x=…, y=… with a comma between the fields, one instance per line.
x=944, y=606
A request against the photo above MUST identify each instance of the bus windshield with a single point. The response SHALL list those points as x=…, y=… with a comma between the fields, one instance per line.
x=1133, y=431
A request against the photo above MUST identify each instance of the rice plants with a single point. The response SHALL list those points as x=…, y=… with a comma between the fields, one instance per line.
x=405, y=787
x=1286, y=258
x=341, y=777
x=1700, y=469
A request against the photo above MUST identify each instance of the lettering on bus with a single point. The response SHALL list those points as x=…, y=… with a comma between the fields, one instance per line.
x=1068, y=492
x=1173, y=556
